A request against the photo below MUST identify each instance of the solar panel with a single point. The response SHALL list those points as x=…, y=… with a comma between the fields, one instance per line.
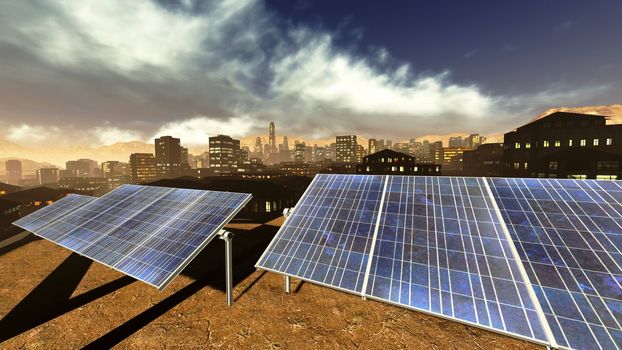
x=568, y=235
x=52, y=212
x=327, y=237
x=441, y=249
x=147, y=232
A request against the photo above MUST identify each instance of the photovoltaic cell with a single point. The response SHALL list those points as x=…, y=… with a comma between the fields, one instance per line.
x=568, y=235
x=327, y=238
x=441, y=249
x=147, y=232
x=48, y=214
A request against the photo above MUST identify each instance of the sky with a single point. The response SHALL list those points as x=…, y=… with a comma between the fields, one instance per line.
x=89, y=72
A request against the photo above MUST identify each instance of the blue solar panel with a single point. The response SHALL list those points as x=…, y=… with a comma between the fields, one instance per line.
x=568, y=234
x=50, y=213
x=441, y=249
x=327, y=237
x=147, y=232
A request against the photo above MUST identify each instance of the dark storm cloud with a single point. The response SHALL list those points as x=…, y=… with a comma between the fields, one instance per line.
x=137, y=69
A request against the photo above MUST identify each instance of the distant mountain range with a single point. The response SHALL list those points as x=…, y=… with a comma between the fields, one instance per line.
x=612, y=111
x=34, y=158
x=29, y=167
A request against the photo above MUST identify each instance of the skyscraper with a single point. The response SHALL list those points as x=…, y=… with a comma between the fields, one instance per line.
x=285, y=143
x=224, y=154
x=142, y=167
x=13, y=171
x=272, y=139
x=48, y=175
x=346, y=150
x=373, y=146
x=258, y=150
x=168, y=156
x=79, y=168
x=299, y=152
x=116, y=173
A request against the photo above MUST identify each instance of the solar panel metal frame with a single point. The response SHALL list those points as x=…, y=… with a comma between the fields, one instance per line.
x=190, y=257
x=547, y=186
x=362, y=294
x=291, y=214
x=527, y=283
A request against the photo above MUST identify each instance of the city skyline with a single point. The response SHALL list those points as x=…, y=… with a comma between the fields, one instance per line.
x=237, y=65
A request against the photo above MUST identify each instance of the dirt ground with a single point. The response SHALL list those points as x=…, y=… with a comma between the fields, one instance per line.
x=53, y=299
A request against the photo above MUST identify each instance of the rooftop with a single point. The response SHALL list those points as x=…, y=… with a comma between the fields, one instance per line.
x=55, y=299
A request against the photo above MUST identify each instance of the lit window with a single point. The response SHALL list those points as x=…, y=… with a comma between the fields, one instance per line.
x=595, y=142
x=553, y=165
x=528, y=145
x=557, y=143
x=583, y=142
x=517, y=145
x=517, y=166
x=525, y=165
x=608, y=142
x=570, y=143
x=401, y=168
x=546, y=144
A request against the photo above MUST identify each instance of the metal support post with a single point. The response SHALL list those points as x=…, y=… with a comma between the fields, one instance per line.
x=288, y=284
x=226, y=236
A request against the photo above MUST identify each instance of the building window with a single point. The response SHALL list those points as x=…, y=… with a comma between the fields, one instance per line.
x=546, y=144
x=583, y=142
x=401, y=168
x=595, y=142
x=608, y=141
x=557, y=143
x=528, y=145
x=553, y=165
x=516, y=166
x=578, y=176
x=517, y=145
x=606, y=177
x=525, y=165
x=610, y=165
x=570, y=143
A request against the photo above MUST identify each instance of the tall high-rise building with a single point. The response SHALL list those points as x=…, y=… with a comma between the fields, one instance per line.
x=168, y=156
x=346, y=149
x=48, y=176
x=258, y=150
x=285, y=143
x=79, y=168
x=360, y=153
x=388, y=144
x=300, y=152
x=13, y=171
x=142, y=167
x=372, y=146
x=272, y=139
x=184, y=155
x=436, y=152
x=116, y=173
x=456, y=141
x=224, y=154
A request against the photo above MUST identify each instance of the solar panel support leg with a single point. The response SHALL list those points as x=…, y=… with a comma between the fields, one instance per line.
x=226, y=236
x=288, y=284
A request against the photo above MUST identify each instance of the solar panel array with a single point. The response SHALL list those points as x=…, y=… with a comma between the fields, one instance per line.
x=329, y=232
x=147, y=232
x=50, y=213
x=441, y=249
x=569, y=238
x=537, y=259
